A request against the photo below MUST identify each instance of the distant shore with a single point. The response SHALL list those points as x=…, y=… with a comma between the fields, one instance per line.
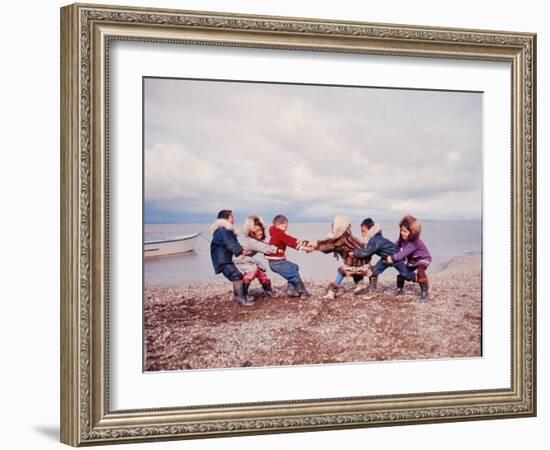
x=199, y=326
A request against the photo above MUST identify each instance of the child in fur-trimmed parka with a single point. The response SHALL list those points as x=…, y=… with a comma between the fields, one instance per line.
x=341, y=241
x=223, y=247
x=253, y=241
x=414, y=253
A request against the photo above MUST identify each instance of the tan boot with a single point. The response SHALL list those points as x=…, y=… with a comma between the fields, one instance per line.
x=373, y=280
x=331, y=292
x=360, y=288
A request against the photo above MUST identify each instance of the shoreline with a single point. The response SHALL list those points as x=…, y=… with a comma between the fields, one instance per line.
x=278, y=282
x=199, y=326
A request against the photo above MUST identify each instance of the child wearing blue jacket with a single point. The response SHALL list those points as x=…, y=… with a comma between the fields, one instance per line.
x=223, y=247
x=377, y=244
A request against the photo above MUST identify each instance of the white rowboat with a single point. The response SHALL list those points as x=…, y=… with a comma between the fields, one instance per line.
x=171, y=246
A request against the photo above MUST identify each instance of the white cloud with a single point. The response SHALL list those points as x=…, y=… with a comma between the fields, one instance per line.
x=446, y=204
x=316, y=150
x=453, y=156
x=173, y=172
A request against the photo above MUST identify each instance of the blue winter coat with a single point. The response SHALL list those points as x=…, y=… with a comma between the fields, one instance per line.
x=222, y=248
x=377, y=245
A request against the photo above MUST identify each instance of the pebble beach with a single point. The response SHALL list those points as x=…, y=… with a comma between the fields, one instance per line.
x=200, y=326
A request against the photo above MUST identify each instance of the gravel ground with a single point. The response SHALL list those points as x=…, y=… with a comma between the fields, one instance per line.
x=199, y=326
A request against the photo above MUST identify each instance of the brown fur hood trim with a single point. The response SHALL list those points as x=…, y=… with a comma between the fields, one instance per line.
x=222, y=223
x=249, y=224
x=376, y=228
x=413, y=225
x=340, y=225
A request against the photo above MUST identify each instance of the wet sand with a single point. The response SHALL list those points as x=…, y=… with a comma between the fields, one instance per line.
x=200, y=326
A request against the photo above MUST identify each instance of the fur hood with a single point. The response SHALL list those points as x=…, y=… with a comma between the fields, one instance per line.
x=340, y=225
x=222, y=223
x=376, y=228
x=413, y=225
x=249, y=224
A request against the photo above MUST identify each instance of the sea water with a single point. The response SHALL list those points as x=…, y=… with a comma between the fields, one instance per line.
x=446, y=240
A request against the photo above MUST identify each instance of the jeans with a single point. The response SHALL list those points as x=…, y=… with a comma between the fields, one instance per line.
x=231, y=272
x=288, y=270
x=401, y=267
x=339, y=278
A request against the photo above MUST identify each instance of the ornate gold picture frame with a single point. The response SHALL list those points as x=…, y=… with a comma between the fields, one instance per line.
x=87, y=33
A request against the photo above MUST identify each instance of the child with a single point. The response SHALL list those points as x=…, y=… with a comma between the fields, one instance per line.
x=341, y=241
x=377, y=244
x=415, y=253
x=254, y=235
x=278, y=262
x=223, y=247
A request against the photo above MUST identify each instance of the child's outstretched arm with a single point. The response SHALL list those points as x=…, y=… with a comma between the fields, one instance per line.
x=324, y=246
x=368, y=251
x=407, y=250
x=291, y=241
x=258, y=246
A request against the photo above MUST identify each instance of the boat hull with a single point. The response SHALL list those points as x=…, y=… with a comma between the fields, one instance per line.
x=170, y=246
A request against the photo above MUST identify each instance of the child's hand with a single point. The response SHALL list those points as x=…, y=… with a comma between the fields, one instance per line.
x=246, y=253
x=351, y=254
x=280, y=251
x=389, y=261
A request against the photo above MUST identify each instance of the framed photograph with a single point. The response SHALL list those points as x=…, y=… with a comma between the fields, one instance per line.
x=275, y=224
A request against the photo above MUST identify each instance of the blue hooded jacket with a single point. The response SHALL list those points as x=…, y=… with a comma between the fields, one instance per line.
x=376, y=245
x=224, y=244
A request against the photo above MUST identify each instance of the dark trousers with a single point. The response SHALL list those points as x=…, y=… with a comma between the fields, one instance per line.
x=401, y=267
x=231, y=272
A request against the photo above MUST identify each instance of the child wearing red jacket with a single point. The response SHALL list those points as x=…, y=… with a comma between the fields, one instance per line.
x=278, y=262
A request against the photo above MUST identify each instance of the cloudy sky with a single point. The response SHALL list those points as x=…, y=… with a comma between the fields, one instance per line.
x=309, y=152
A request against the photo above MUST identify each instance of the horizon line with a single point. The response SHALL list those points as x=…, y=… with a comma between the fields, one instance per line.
x=316, y=221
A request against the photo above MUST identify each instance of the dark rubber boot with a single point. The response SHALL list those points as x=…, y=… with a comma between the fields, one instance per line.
x=248, y=297
x=245, y=289
x=301, y=289
x=424, y=290
x=239, y=293
x=373, y=281
x=268, y=290
x=291, y=290
x=400, y=284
